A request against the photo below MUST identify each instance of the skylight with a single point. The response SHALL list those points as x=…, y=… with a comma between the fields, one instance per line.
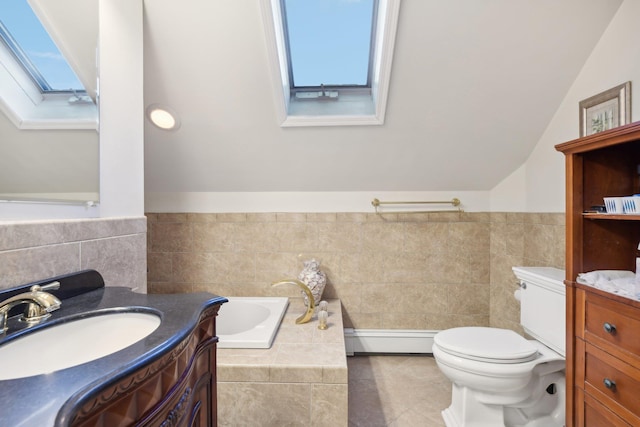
x=329, y=42
x=330, y=59
x=32, y=46
x=38, y=87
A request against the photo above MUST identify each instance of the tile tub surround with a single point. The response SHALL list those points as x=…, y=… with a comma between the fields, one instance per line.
x=447, y=269
x=301, y=380
x=431, y=262
x=35, y=250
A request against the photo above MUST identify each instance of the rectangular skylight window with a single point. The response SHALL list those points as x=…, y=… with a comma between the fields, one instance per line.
x=330, y=60
x=329, y=42
x=23, y=33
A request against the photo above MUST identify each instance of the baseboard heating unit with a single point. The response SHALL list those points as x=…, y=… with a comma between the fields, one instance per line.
x=388, y=341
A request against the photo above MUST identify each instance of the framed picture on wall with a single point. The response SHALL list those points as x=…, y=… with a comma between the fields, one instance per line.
x=606, y=110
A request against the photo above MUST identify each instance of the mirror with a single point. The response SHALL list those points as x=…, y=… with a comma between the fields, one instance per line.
x=49, y=146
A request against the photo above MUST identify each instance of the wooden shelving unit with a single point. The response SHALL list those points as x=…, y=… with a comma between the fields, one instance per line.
x=603, y=375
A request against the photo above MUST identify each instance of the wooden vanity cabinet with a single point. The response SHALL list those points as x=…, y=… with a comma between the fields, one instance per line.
x=177, y=390
x=603, y=329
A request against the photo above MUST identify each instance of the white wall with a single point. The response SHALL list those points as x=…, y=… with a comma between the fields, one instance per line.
x=121, y=108
x=121, y=122
x=509, y=195
x=310, y=201
x=614, y=60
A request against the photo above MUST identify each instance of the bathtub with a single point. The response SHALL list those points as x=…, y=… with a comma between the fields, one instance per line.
x=250, y=322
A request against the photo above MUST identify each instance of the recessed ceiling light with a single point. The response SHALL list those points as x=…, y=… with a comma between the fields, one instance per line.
x=163, y=117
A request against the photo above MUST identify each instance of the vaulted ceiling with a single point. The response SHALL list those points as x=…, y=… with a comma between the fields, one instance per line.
x=474, y=84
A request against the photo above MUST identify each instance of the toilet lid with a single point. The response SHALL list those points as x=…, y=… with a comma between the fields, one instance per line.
x=486, y=344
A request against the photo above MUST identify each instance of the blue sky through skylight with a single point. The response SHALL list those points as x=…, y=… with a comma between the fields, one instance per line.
x=26, y=29
x=329, y=41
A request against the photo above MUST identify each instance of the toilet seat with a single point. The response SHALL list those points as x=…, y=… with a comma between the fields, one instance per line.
x=492, y=345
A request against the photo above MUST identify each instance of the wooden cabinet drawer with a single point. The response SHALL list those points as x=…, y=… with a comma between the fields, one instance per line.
x=598, y=415
x=613, y=382
x=612, y=326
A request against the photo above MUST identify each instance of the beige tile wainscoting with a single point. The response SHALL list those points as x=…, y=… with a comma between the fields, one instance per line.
x=37, y=250
x=301, y=380
x=426, y=271
x=393, y=271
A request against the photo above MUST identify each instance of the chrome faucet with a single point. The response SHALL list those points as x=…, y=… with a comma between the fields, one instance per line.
x=310, y=306
x=40, y=304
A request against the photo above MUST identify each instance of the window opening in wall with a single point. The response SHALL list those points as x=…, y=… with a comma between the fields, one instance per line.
x=329, y=43
x=26, y=38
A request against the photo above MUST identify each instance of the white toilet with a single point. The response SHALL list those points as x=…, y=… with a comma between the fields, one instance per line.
x=502, y=379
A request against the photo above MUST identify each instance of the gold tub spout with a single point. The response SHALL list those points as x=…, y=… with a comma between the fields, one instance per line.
x=312, y=305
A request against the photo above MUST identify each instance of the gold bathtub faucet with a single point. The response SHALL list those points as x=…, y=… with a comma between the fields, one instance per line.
x=310, y=307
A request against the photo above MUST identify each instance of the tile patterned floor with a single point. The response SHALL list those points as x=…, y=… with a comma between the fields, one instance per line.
x=396, y=391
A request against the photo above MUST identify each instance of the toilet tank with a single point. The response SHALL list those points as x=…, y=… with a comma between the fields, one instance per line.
x=542, y=305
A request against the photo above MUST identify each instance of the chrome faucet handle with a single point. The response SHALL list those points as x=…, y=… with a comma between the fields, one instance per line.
x=39, y=304
x=48, y=287
x=42, y=304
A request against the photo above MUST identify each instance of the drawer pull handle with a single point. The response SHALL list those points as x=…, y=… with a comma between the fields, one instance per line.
x=610, y=384
x=609, y=328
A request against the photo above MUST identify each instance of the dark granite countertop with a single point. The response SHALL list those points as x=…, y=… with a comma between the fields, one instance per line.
x=50, y=399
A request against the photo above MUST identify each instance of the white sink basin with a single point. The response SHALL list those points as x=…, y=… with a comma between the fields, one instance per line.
x=73, y=343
